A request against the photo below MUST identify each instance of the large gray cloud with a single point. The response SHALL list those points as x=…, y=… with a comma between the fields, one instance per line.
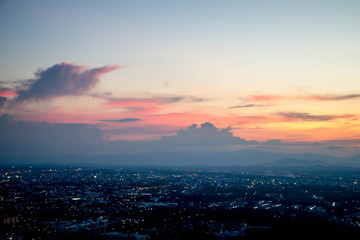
x=205, y=137
x=61, y=79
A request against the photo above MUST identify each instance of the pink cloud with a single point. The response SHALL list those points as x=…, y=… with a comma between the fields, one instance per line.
x=266, y=97
x=141, y=106
x=7, y=92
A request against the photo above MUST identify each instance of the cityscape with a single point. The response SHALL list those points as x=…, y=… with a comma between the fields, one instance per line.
x=178, y=203
x=179, y=120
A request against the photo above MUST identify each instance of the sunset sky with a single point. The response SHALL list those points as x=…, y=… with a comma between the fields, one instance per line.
x=141, y=70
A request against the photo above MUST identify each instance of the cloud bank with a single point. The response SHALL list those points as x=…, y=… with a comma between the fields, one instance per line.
x=42, y=138
x=47, y=138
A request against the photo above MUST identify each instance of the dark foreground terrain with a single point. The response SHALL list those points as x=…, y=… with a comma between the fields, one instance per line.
x=179, y=203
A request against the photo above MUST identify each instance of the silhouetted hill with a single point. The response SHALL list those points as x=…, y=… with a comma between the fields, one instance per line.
x=246, y=157
x=295, y=163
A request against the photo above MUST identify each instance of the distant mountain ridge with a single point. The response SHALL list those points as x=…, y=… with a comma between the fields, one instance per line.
x=246, y=157
x=295, y=163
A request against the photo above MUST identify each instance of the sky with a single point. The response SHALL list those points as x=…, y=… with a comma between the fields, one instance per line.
x=136, y=71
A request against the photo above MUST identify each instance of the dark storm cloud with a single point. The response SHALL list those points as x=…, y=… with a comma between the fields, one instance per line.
x=60, y=80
